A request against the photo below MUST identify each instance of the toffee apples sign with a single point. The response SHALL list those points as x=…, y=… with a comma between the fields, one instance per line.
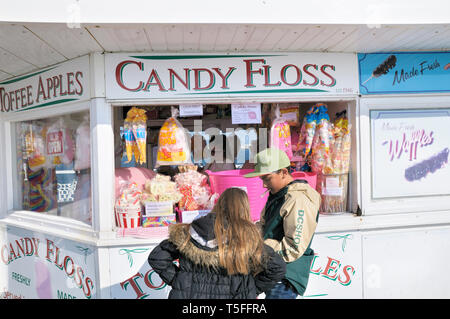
x=61, y=83
x=149, y=76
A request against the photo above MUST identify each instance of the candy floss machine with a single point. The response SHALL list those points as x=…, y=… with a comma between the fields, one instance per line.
x=220, y=181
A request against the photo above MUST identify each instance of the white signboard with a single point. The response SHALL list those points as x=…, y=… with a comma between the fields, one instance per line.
x=187, y=110
x=62, y=83
x=246, y=113
x=410, y=151
x=150, y=76
x=38, y=266
x=336, y=271
x=131, y=275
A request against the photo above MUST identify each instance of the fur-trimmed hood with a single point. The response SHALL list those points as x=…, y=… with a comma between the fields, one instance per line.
x=196, y=241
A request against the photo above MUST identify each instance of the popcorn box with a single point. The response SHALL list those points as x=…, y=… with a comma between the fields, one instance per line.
x=128, y=217
x=188, y=216
x=158, y=208
x=158, y=221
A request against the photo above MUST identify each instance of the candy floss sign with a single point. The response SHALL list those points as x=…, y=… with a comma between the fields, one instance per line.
x=180, y=76
x=66, y=82
x=34, y=266
x=410, y=151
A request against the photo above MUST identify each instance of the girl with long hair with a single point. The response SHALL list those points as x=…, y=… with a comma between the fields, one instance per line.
x=220, y=255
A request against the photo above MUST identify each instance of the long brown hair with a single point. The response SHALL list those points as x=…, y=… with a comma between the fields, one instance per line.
x=239, y=241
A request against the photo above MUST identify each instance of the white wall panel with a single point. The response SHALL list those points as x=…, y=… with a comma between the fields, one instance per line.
x=407, y=263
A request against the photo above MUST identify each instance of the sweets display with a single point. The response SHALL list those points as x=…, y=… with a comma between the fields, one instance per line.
x=195, y=190
x=307, y=132
x=160, y=189
x=173, y=143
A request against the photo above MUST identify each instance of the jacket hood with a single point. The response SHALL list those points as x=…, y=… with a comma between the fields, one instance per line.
x=308, y=191
x=197, y=241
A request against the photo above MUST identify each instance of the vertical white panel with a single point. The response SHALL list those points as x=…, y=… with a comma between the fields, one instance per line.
x=408, y=263
x=102, y=168
x=225, y=37
x=157, y=37
x=336, y=271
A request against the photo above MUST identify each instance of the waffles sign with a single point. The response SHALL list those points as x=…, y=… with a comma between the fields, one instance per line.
x=155, y=76
x=58, y=84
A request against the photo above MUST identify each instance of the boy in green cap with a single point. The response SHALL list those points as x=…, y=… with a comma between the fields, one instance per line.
x=288, y=220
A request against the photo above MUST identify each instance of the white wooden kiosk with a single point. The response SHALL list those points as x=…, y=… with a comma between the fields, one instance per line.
x=388, y=247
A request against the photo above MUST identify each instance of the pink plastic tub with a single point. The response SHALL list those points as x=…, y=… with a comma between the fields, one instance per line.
x=310, y=177
x=220, y=181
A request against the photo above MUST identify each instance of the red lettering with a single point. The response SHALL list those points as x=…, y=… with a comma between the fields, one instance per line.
x=61, y=91
x=133, y=282
x=333, y=80
x=49, y=250
x=119, y=71
x=68, y=260
x=249, y=71
x=332, y=265
x=29, y=95
x=70, y=83
x=316, y=79
x=198, y=81
x=284, y=71
x=154, y=75
x=149, y=283
x=79, y=75
x=317, y=271
x=56, y=84
x=224, y=77
x=267, y=77
x=89, y=285
x=173, y=75
x=347, y=279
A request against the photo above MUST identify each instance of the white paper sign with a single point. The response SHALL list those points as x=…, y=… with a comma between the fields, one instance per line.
x=187, y=110
x=246, y=113
x=410, y=150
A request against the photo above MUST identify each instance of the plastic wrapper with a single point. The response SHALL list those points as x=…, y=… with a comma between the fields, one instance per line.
x=321, y=142
x=135, y=134
x=173, y=143
x=280, y=134
x=333, y=189
x=195, y=190
x=59, y=143
x=34, y=147
x=307, y=132
x=160, y=189
x=130, y=196
x=290, y=114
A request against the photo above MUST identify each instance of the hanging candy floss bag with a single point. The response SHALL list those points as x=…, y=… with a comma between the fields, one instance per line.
x=280, y=134
x=173, y=143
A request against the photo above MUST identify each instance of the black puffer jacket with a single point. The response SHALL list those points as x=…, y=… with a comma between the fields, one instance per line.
x=199, y=275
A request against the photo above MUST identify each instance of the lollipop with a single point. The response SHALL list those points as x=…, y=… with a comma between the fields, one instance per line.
x=383, y=68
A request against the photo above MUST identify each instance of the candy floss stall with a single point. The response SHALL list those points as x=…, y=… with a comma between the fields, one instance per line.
x=104, y=152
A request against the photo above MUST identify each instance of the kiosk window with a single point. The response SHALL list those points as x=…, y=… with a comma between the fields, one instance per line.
x=53, y=166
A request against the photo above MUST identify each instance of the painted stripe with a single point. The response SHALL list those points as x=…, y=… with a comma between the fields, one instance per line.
x=49, y=103
x=260, y=91
x=25, y=77
x=184, y=57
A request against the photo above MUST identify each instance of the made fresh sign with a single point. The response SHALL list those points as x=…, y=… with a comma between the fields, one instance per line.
x=152, y=76
x=54, y=85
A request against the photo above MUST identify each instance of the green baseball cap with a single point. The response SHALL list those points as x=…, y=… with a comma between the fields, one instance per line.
x=269, y=161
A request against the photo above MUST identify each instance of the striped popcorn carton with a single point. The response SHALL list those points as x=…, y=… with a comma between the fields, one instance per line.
x=128, y=217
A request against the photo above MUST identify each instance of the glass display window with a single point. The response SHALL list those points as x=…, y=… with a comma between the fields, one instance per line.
x=54, y=166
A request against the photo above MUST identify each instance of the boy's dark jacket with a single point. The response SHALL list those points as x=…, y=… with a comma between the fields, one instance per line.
x=199, y=275
x=289, y=220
